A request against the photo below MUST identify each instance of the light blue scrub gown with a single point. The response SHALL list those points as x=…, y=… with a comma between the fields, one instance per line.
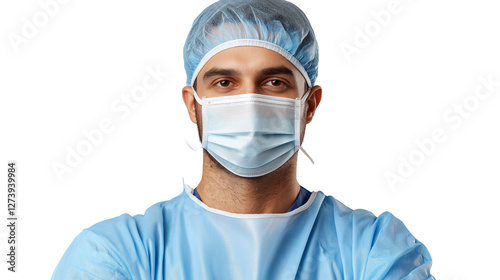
x=184, y=239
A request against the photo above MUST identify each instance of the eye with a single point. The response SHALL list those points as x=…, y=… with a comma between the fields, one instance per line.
x=276, y=83
x=223, y=83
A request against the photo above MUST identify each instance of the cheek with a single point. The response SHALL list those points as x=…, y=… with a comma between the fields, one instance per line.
x=197, y=112
x=303, y=122
x=199, y=120
x=304, y=113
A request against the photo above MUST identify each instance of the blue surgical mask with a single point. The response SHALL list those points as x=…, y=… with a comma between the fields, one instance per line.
x=251, y=134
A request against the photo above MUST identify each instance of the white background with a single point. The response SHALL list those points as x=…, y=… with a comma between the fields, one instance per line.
x=429, y=56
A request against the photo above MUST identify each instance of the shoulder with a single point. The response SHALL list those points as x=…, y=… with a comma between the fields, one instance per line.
x=123, y=229
x=382, y=245
x=361, y=219
x=120, y=247
x=90, y=257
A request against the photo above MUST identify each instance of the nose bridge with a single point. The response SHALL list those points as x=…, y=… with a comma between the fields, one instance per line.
x=250, y=84
x=251, y=88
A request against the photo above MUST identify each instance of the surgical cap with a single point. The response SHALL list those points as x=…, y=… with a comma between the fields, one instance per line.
x=277, y=25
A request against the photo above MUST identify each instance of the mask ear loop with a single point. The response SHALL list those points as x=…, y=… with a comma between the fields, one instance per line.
x=300, y=103
x=307, y=155
x=193, y=146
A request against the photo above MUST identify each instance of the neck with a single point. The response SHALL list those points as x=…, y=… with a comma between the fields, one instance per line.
x=272, y=193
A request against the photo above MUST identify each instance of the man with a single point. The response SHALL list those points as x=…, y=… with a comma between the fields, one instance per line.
x=251, y=68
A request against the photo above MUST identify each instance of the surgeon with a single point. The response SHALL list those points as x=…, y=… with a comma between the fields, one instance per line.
x=251, y=68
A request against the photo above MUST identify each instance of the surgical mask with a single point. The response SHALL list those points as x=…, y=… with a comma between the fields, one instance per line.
x=251, y=134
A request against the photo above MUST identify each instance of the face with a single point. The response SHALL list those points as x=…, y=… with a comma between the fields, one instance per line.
x=242, y=70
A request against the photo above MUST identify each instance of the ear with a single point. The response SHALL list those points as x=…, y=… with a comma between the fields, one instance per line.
x=189, y=101
x=312, y=102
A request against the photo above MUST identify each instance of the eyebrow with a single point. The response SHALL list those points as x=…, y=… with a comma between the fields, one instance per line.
x=277, y=70
x=220, y=72
x=233, y=72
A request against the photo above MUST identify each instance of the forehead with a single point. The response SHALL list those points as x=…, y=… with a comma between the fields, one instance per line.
x=248, y=59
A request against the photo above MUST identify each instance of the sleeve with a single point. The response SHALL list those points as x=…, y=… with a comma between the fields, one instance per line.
x=393, y=252
x=88, y=257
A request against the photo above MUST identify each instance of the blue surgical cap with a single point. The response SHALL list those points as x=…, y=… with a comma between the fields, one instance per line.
x=277, y=25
